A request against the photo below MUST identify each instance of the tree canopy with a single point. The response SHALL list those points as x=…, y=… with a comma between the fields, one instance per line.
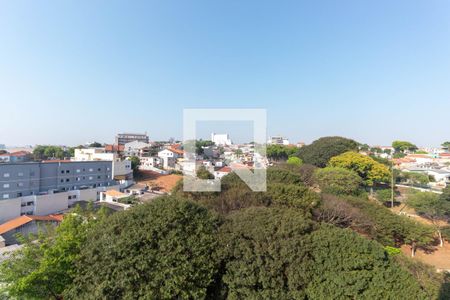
x=159, y=250
x=402, y=146
x=366, y=167
x=338, y=181
x=280, y=152
x=320, y=151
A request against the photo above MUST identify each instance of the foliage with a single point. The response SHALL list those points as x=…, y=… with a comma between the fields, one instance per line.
x=44, y=267
x=129, y=200
x=446, y=144
x=431, y=206
x=434, y=284
x=446, y=194
x=321, y=150
x=96, y=145
x=280, y=152
x=159, y=250
x=263, y=253
x=347, y=266
x=290, y=195
x=295, y=161
x=392, y=250
x=306, y=173
x=338, y=181
x=402, y=146
x=203, y=173
x=135, y=163
x=339, y=212
x=277, y=254
x=369, y=170
x=384, y=195
x=45, y=152
x=199, y=144
x=413, y=178
x=388, y=228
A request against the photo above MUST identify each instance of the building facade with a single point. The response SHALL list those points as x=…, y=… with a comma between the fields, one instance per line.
x=123, y=138
x=40, y=188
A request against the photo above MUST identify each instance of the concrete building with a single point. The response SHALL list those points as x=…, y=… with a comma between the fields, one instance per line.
x=41, y=188
x=26, y=225
x=221, y=139
x=137, y=148
x=123, y=138
x=278, y=140
x=121, y=167
x=18, y=156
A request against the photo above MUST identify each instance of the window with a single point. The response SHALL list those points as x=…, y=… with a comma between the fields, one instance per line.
x=78, y=170
x=23, y=204
x=6, y=185
x=99, y=169
x=20, y=184
x=5, y=196
x=90, y=177
x=6, y=175
x=62, y=180
x=30, y=203
x=67, y=179
x=20, y=174
x=90, y=170
x=62, y=171
x=108, y=169
x=19, y=194
x=78, y=178
x=98, y=177
x=67, y=171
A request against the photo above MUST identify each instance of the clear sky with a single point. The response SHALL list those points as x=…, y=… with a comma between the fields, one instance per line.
x=78, y=71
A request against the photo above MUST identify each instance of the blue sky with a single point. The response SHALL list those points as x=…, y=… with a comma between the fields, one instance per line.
x=77, y=71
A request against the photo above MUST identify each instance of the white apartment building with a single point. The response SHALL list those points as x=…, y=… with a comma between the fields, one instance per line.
x=221, y=139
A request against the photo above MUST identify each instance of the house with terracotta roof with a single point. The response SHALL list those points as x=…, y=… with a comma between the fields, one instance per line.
x=26, y=225
x=18, y=156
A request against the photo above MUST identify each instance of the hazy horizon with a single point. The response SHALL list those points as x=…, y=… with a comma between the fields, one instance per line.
x=74, y=72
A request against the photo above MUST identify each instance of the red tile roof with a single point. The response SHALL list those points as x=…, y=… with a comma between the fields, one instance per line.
x=22, y=220
x=16, y=154
x=115, y=148
x=225, y=169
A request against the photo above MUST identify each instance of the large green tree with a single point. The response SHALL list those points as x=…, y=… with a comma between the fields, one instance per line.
x=320, y=151
x=338, y=181
x=402, y=146
x=159, y=250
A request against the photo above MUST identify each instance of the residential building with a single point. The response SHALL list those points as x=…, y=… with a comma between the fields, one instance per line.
x=41, y=188
x=26, y=225
x=121, y=167
x=221, y=139
x=18, y=156
x=137, y=148
x=169, y=157
x=123, y=138
x=278, y=140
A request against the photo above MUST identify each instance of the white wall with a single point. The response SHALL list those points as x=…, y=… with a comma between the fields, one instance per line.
x=9, y=209
x=51, y=203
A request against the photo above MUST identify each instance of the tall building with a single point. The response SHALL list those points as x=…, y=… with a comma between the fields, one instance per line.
x=123, y=138
x=278, y=140
x=221, y=139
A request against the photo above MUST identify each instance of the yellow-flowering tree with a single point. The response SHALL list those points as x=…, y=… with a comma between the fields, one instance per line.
x=367, y=168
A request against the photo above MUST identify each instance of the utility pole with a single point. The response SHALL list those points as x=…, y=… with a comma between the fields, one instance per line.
x=392, y=182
